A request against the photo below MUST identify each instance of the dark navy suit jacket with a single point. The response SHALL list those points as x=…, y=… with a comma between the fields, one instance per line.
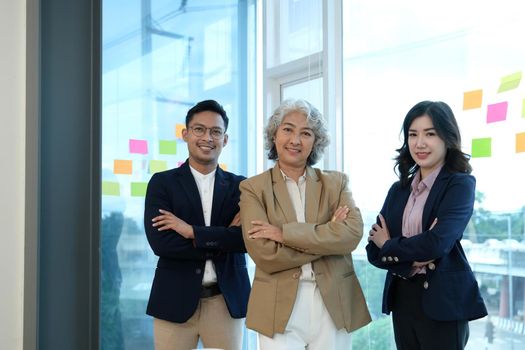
x=452, y=292
x=177, y=285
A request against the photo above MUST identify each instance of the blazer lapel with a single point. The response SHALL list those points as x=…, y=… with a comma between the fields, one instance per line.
x=220, y=188
x=281, y=194
x=189, y=186
x=313, y=195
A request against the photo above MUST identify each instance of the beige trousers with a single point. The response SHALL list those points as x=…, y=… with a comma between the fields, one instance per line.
x=211, y=322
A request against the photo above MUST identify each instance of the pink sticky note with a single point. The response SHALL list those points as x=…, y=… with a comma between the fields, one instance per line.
x=138, y=146
x=497, y=112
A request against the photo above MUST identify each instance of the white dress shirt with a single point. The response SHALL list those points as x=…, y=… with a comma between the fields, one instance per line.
x=205, y=183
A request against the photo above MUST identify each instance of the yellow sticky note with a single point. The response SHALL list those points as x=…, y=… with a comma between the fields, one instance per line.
x=472, y=99
x=178, y=130
x=121, y=166
x=510, y=82
x=138, y=189
x=156, y=166
x=520, y=142
x=110, y=188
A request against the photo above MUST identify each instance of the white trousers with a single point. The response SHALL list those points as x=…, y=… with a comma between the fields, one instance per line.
x=309, y=327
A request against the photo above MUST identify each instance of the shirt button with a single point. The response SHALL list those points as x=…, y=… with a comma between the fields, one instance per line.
x=396, y=259
x=198, y=271
x=296, y=275
x=425, y=285
x=383, y=259
x=432, y=266
x=389, y=259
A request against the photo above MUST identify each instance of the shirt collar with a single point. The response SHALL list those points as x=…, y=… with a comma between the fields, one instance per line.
x=302, y=178
x=427, y=181
x=200, y=176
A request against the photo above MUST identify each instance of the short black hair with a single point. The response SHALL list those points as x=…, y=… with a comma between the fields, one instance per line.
x=207, y=105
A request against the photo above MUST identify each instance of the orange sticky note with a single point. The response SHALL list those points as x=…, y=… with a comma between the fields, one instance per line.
x=472, y=99
x=520, y=142
x=178, y=130
x=121, y=166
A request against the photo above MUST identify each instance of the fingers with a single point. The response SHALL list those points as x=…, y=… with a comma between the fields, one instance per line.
x=434, y=223
x=382, y=220
x=340, y=214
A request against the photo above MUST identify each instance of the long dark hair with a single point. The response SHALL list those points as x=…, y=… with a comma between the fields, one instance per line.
x=446, y=128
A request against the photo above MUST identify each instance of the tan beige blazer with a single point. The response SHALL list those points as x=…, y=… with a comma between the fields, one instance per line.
x=327, y=245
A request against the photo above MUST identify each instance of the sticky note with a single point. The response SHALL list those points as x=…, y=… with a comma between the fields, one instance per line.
x=178, y=130
x=520, y=142
x=224, y=166
x=523, y=109
x=481, y=147
x=110, y=188
x=510, y=82
x=156, y=166
x=472, y=99
x=497, y=112
x=167, y=147
x=121, y=166
x=138, y=189
x=138, y=146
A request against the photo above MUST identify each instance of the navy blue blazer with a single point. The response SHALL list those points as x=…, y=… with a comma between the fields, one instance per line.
x=452, y=292
x=177, y=284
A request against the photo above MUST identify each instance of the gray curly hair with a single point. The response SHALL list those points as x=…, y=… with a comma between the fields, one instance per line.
x=315, y=121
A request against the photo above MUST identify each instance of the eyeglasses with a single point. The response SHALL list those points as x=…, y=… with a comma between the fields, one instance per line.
x=199, y=130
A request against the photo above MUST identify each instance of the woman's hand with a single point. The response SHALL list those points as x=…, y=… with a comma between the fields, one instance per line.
x=379, y=234
x=263, y=229
x=340, y=214
x=168, y=221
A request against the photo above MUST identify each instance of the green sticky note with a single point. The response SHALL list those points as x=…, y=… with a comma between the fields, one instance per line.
x=167, y=147
x=138, y=189
x=481, y=147
x=523, y=109
x=156, y=166
x=510, y=82
x=110, y=188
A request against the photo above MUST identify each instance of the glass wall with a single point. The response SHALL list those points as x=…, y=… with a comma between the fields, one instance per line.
x=160, y=57
x=468, y=54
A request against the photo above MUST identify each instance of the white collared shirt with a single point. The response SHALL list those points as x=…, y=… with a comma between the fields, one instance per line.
x=205, y=184
x=297, y=193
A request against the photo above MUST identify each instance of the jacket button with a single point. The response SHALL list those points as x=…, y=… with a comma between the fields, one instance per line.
x=383, y=259
x=425, y=285
x=432, y=266
x=396, y=259
x=198, y=271
x=389, y=259
x=296, y=275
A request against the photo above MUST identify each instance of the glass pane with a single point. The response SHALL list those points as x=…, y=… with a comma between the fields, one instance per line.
x=397, y=55
x=160, y=57
x=310, y=90
x=299, y=30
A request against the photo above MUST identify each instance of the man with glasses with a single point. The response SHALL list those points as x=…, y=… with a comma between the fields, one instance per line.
x=191, y=217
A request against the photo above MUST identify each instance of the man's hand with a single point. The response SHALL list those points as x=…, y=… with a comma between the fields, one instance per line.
x=263, y=229
x=236, y=220
x=379, y=234
x=168, y=221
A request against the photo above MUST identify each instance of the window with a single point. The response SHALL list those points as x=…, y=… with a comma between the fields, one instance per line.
x=160, y=57
x=465, y=54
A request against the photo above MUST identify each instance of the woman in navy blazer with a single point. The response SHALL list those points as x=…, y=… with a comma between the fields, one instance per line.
x=429, y=288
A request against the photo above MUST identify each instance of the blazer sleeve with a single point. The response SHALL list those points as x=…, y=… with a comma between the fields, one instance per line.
x=329, y=238
x=167, y=244
x=268, y=255
x=401, y=268
x=453, y=213
x=219, y=238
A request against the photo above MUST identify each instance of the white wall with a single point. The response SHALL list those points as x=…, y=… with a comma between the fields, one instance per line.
x=12, y=175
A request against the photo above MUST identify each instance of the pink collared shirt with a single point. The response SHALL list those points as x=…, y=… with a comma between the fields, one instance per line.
x=413, y=214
